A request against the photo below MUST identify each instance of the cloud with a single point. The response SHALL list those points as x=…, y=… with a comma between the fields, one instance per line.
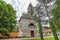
x=21, y=6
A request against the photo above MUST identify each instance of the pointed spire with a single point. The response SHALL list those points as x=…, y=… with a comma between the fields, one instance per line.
x=30, y=8
x=30, y=4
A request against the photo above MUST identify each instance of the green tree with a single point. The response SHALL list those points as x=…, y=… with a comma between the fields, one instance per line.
x=56, y=14
x=52, y=24
x=7, y=17
x=53, y=28
x=55, y=24
x=40, y=29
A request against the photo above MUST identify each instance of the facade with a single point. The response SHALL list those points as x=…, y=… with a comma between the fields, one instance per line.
x=47, y=31
x=28, y=24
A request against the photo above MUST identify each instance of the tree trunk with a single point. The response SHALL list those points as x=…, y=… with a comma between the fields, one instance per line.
x=53, y=30
x=40, y=29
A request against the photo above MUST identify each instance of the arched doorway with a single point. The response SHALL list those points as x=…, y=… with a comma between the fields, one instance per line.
x=32, y=33
x=31, y=27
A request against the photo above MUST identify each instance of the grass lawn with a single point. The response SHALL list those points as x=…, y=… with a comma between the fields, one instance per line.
x=50, y=38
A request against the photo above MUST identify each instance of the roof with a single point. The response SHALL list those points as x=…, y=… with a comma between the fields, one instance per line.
x=28, y=16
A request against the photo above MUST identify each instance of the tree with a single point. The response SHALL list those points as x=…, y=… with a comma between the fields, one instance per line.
x=56, y=14
x=39, y=21
x=40, y=29
x=7, y=17
x=53, y=28
x=50, y=21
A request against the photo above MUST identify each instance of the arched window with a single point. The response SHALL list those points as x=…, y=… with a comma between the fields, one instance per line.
x=31, y=24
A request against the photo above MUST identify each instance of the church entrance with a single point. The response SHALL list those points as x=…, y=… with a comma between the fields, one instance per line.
x=32, y=33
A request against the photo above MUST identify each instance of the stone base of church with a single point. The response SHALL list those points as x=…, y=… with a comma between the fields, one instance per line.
x=29, y=33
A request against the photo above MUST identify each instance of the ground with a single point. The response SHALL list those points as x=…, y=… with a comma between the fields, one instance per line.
x=45, y=38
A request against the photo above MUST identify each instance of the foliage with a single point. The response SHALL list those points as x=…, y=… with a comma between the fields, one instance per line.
x=56, y=14
x=55, y=23
x=7, y=17
x=53, y=30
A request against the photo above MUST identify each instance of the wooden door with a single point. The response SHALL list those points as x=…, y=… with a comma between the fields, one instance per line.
x=32, y=33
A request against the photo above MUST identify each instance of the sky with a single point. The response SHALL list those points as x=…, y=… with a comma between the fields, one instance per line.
x=21, y=6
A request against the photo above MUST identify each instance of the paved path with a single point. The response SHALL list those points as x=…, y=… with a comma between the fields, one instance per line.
x=12, y=39
x=19, y=38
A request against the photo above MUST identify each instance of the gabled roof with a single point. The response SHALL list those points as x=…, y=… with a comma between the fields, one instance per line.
x=28, y=16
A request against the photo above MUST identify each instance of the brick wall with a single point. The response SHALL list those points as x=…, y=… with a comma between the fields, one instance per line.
x=12, y=34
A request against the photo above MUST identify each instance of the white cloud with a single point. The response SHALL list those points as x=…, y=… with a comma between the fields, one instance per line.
x=21, y=5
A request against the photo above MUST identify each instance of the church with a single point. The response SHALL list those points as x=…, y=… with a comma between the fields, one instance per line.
x=28, y=24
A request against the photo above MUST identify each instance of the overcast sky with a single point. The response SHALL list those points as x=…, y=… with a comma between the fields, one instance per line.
x=21, y=6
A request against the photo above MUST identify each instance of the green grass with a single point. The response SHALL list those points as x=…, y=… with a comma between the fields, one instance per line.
x=50, y=38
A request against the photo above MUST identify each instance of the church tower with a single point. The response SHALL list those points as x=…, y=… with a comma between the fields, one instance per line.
x=30, y=9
